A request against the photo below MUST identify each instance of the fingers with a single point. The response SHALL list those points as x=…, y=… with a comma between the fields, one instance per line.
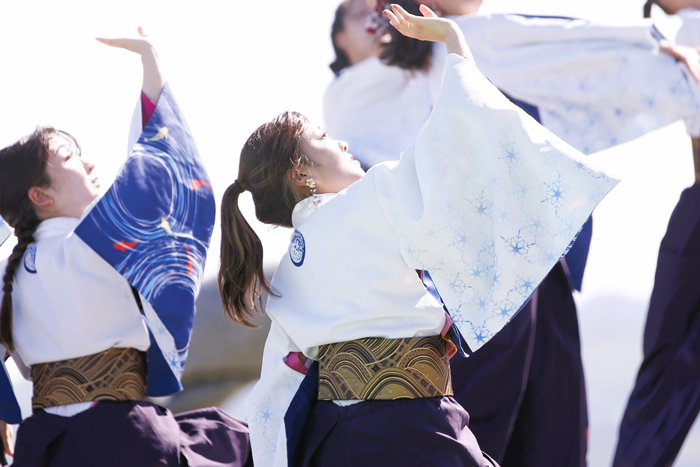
x=109, y=42
x=427, y=12
x=142, y=32
x=400, y=13
x=393, y=20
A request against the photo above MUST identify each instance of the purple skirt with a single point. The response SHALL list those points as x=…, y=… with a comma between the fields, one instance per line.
x=524, y=389
x=426, y=432
x=122, y=434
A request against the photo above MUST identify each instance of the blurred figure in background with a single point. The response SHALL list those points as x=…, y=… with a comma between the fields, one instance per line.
x=665, y=400
x=378, y=109
x=539, y=353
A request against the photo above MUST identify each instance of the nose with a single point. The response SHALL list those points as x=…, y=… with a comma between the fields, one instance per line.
x=88, y=167
x=343, y=146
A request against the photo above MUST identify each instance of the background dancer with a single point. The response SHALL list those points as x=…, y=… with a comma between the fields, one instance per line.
x=98, y=294
x=665, y=400
x=347, y=280
x=368, y=93
x=510, y=426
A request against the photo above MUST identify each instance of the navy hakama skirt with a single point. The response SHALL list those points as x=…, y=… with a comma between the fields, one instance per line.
x=524, y=389
x=405, y=432
x=666, y=398
x=119, y=434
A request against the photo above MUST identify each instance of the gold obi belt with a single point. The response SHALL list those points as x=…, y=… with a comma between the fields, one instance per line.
x=384, y=369
x=114, y=375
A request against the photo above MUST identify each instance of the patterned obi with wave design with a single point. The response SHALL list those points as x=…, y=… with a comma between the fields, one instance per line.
x=115, y=375
x=384, y=369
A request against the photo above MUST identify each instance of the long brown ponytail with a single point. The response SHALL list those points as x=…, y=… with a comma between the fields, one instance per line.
x=266, y=159
x=22, y=166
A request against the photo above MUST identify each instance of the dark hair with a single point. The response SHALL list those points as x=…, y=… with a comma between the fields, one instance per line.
x=650, y=3
x=266, y=159
x=406, y=52
x=341, y=59
x=22, y=166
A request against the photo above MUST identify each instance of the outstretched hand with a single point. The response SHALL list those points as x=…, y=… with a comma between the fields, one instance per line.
x=141, y=45
x=429, y=27
x=689, y=56
x=153, y=77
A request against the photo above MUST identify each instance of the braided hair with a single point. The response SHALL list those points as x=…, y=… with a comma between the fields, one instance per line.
x=22, y=166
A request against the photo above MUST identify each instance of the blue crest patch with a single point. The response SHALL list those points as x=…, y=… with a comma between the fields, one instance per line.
x=30, y=259
x=297, y=249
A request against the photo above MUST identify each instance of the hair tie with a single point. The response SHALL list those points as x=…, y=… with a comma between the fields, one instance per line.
x=7, y=288
x=238, y=187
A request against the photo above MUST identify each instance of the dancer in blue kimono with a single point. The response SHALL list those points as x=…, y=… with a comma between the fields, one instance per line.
x=99, y=292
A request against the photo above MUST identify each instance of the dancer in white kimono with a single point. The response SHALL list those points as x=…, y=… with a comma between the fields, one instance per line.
x=665, y=400
x=346, y=304
x=367, y=93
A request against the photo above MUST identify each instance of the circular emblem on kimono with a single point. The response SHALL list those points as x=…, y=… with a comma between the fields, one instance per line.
x=30, y=259
x=297, y=249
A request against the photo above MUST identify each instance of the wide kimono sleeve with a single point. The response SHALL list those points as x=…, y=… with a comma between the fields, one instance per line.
x=153, y=226
x=593, y=85
x=278, y=404
x=487, y=200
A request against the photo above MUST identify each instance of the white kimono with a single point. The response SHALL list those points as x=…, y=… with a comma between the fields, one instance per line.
x=486, y=200
x=4, y=231
x=378, y=109
x=64, y=292
x=689, y=34
x=595, y=86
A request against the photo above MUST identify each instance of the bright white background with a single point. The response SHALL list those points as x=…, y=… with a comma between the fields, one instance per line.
x=234, y=65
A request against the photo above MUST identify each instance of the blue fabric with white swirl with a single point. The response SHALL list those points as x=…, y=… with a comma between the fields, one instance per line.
x=154, y=226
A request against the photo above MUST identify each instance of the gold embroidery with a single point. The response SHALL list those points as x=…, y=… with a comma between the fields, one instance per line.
x=384, y=369
x=113, y=375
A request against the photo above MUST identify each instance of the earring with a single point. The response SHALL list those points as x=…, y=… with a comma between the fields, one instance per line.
x=311, y=183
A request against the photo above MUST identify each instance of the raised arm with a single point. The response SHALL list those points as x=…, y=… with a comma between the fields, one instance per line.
x=153, y=76
x=431, y=28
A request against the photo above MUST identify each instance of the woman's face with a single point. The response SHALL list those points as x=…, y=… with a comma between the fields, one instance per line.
x=354, y=40
x=73, y=186
x=331, y=166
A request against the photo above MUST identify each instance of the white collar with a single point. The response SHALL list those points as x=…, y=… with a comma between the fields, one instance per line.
x=55, y=226
x=306, y=207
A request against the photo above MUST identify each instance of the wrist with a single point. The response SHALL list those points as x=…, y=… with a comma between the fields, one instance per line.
x=148, y=54
x=452, y=34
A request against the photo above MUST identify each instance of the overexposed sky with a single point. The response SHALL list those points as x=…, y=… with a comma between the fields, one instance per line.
x=234, y=65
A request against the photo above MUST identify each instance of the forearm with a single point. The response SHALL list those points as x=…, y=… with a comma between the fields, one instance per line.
x=153, y=76
x=456, y=44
